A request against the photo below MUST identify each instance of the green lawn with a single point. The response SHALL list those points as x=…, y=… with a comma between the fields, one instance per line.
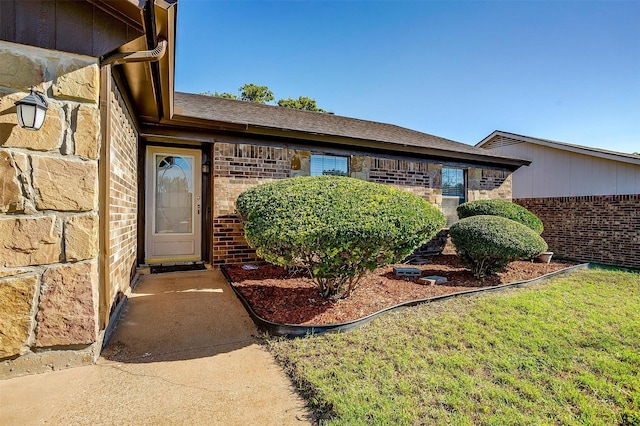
x=562, y=352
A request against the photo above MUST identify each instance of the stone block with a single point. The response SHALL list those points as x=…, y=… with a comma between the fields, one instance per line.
x=65, y=185
x=437, y=279
x=87, y=132
x=435, y=175
x=67, y=313
x=359, y=167
x=13, y=271
x=28, y=241
x=13, y=136
x=474, y=176
x=10, y=194
x=406, y=271
x=81, y=237
x=300, y=163
x=16, y=299
x=19, y=70
x=78, y=80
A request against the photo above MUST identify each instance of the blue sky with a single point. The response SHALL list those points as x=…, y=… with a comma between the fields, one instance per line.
x=562, y=70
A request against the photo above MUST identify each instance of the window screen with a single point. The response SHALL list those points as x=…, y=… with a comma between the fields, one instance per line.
x=453, y=193
x=329, y=165
x=453, y=183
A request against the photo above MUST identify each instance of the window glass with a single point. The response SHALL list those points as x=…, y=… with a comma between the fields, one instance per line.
x=453, y=193
x=453, y=183
x=329, y=165
x=174, y=194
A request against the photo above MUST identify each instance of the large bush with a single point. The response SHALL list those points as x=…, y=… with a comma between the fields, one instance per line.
x=337, y=227
x=501, y=208
x=489, y=243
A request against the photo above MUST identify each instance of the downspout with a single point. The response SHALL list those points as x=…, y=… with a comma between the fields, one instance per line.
x=149, y=15
x=153, y=55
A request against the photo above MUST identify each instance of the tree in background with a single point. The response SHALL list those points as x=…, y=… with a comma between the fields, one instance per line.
x=257, y=94
x=249, y=93
x=304, y=103
x=225, y=95
x=262, y=95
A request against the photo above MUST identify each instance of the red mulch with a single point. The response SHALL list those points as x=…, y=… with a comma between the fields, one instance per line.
x=281, y=297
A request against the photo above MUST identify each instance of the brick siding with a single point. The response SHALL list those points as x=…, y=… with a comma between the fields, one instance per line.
x=493, y=179
x=418, y=177
x=601, y=229
x=238, y=167
x=123, y=197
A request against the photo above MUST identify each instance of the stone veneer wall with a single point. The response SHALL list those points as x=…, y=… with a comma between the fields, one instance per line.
x=48, y=212
x=485, y=184
x=123, y=198
x=238, y=167
x=602, y=229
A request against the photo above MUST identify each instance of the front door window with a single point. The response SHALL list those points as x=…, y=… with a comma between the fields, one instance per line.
x=174, y=194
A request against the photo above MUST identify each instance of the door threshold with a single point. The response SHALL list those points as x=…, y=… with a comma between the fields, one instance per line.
x=159, y=268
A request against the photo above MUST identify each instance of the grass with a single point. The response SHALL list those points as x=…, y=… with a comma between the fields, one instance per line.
x=563, y=352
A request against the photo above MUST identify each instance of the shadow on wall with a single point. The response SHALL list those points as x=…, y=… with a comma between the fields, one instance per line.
x=179, y=316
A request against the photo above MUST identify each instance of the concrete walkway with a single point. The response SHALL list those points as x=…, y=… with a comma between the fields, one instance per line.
x=184, y=353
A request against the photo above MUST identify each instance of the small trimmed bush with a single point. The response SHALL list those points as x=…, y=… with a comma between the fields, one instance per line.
x=501, y=208
x=337, y=227
x=489, y=243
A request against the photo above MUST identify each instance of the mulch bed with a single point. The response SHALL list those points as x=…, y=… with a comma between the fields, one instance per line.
x=282, y=297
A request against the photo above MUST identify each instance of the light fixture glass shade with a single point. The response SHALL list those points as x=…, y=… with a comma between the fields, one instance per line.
x=32, y=111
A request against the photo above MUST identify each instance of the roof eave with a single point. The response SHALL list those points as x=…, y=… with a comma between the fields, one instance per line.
x=393, y=147
x=562, y=146
x=150, y=85
x=262, y=131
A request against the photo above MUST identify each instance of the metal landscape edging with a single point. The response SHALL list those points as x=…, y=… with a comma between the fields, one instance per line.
x=297, y=330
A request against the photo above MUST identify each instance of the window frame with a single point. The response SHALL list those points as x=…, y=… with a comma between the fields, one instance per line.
x=452, y=216
x=324, y=155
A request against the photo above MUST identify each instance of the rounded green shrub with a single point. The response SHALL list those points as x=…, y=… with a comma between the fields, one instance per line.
x=489, y=243
x=501, y=208
x=337, y=227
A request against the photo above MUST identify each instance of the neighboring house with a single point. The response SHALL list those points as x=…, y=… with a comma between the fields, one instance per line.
x=587, y=198
x=126, y=172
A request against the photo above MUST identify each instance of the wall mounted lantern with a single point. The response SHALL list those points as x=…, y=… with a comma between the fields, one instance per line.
x=32, y=110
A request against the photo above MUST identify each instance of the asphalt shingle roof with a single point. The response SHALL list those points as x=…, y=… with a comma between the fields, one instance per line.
x=315, y=123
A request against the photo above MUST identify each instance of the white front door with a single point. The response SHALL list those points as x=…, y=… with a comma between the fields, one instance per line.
x=173, y=204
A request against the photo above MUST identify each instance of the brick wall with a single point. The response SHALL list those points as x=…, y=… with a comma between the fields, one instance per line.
x=420, y=178
x=123, y=197
x=237, y=168
x=601, y=229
